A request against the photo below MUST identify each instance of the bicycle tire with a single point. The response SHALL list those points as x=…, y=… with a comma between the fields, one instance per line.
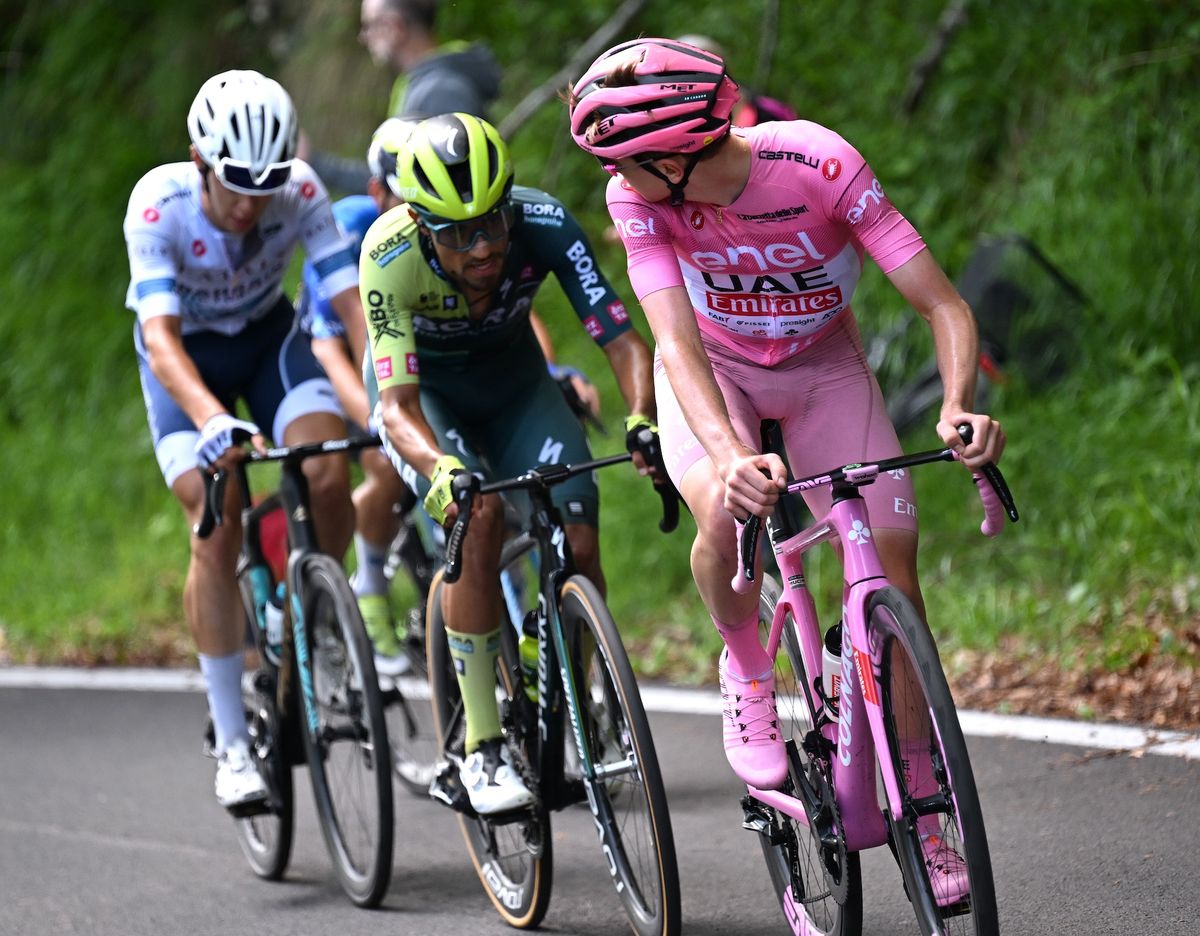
x=813, y=913
x=903, y=639
x=629, y=796
x=514, y=860
x=266, y=838
x=345, y=735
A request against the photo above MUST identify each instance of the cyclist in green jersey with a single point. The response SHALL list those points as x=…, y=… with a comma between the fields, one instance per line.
x=447, y=282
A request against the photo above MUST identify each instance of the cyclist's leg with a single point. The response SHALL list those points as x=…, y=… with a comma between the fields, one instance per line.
x=211, y=599
x=753, y=743
x=538, y=427
x=291, y=394
x=473, y=609
x=376, y=520
x=376, y=524
x=714, y=551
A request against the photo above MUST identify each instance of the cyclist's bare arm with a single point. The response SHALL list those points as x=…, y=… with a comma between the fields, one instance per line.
x=334, y=356
x=747, y=489
x=407, y=430
x=584, y=388
x=176, y=371
x=631, y=361
x=956, y=345
x=348, y=306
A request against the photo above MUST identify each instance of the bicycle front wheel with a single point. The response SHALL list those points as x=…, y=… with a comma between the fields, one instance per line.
x=266, y=838
x=514, y=855
x=345, y=735
x=621, y=768
x=816, y=882
x=938, y=833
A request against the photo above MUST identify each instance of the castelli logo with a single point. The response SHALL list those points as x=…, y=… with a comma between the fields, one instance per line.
x=151, y=215
x=696, y=220
x=198, y=248
x=308, y=190
x=831, y=169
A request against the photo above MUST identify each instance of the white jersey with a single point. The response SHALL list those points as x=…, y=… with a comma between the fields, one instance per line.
x=182, y=265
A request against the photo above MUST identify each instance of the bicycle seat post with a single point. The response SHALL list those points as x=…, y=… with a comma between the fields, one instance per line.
x=293, y=491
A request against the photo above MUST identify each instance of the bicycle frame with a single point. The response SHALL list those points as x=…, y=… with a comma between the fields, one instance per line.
x=293, y=494
x=556, y=681
x=854, y=762
x=848, y=523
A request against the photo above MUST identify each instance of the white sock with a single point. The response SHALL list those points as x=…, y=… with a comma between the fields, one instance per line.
x=368, y=576
x=223, y=683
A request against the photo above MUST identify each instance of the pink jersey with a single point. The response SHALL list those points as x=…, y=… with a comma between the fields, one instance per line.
x=770, y=273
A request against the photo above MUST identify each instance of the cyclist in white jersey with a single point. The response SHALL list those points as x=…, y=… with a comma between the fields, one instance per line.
x=209, y=242
x=744, y=249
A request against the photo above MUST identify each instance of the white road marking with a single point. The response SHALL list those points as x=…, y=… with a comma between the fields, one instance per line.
x=660, y=699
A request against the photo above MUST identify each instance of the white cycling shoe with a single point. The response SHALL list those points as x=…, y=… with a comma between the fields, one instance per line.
x=493, y=785
x=238, y=782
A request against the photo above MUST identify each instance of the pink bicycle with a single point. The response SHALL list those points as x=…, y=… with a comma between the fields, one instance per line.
x=875, y=749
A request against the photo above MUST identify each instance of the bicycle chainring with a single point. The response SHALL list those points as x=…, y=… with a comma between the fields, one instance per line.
x=834, y=857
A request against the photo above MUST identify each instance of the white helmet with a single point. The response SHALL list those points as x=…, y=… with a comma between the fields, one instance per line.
x=243, y=124
x=387, y=141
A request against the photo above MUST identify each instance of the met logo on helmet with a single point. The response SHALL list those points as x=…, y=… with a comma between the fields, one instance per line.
x=779, y=256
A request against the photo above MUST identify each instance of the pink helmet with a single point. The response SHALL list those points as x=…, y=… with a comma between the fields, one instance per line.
x=679, y=101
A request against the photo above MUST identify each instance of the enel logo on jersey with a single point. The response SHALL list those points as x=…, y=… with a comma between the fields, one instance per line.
x=771, y=257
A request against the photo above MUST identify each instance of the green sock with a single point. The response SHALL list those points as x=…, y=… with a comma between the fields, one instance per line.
x=474, y=658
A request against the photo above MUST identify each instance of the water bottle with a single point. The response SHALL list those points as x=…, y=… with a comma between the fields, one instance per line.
x=831, y=668
x=527, y=648
x=273, y=624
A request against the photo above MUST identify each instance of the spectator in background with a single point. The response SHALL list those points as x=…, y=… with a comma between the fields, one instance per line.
x=753, y=108
x=433, y=79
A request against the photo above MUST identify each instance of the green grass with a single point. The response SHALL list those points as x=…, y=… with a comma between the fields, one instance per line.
x=1074, y=124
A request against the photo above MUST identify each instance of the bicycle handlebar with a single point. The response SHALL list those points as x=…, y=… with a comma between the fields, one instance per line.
x=989, y=482
x=214, y=483
x=467, y=486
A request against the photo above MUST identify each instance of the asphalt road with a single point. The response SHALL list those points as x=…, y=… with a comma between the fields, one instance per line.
x=108, y=826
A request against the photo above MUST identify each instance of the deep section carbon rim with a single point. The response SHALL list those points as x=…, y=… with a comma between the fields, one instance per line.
x=941, y=805
x=348, y=752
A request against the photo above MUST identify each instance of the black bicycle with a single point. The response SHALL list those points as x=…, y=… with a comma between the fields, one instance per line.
x=414, y=557
x=314, y=697
x=586, y=692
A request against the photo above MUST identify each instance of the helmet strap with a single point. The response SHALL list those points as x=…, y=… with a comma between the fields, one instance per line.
x=676, y=188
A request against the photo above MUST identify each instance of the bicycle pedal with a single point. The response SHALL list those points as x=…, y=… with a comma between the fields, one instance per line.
x=257, y=807
x=446, y=788
x=756, y=818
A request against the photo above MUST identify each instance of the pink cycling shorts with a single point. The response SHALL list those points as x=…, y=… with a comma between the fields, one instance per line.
x=829, y=406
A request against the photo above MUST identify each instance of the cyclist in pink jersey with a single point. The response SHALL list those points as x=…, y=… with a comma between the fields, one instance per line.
x=744, y=249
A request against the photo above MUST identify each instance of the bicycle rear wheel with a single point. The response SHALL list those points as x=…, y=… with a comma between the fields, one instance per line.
x=513, y=856
x=934, y=776
x=819, y=886
x=266, y=838
x=345, y=734
x=626, y=795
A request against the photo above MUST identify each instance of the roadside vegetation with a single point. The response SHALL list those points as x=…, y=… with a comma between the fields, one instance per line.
x=1074, y=124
